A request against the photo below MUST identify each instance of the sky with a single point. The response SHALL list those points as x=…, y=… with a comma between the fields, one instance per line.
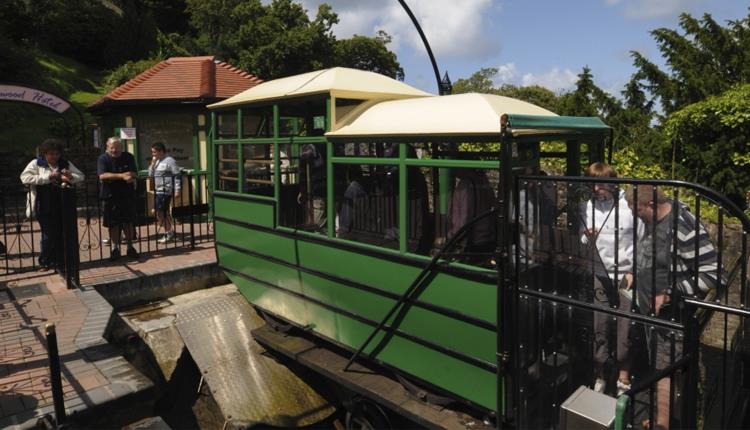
x=543, y=42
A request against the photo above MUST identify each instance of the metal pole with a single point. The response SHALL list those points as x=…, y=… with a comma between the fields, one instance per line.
x=192, y=209
x=426, y=45
x=54, y=373
x=691, y=348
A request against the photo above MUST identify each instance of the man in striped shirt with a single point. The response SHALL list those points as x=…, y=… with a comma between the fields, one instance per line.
x=674, y=258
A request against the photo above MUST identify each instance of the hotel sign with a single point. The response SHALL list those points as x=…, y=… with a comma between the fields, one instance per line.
x=31, y=95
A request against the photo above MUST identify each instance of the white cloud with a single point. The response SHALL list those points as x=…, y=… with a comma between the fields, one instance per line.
x=453, y=29
x=506, y=74
x=647, y=9
x=554, y=79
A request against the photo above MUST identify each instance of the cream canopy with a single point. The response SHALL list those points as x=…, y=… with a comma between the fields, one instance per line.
x=455, y=115
x=340, y=82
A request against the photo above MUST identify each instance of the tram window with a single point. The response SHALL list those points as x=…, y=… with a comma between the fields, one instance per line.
x=303, y=194
x=289, y=164
x=227, y=164
x=304, y=117
x=226, y=125
x=366, y=203
x=258, y=169
x=257, y=122
x=463, y=151
x=368, y=149
x=454, y=196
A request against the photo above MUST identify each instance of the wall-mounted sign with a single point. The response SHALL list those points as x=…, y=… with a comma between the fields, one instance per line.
x=32, y=95
x=96, y=136
x=127, y=133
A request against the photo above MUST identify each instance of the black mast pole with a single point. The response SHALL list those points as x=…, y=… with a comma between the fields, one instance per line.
x=441, y=90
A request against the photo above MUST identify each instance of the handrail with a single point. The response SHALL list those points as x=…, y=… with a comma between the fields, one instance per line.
x=710, y=193
x=718, y=307
x=418, y=281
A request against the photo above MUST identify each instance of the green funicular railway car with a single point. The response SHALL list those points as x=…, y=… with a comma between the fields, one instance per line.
x=396, y=225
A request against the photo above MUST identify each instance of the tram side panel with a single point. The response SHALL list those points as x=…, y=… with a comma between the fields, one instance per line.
x=448, y=341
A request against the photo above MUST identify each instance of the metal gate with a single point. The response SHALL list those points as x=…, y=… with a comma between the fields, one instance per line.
x=678, y=329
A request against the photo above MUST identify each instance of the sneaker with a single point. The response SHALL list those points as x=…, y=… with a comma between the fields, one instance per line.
x=132, y=253
x=115, y=254
x=105, y=241
x=622, y=388
x=599, y=385
x=168, y=237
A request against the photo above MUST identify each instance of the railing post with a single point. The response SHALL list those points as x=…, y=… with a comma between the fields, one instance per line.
x=192, y=209
x=69, y=236
x=691, y=348
x=54, y=373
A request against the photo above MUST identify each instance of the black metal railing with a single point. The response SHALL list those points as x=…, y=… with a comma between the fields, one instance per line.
x=577, y=322
x=87, y=240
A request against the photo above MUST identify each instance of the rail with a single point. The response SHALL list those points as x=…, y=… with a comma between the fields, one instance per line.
x=86, y=239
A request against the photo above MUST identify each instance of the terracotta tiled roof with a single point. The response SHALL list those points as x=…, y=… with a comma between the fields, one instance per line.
x=181, y=79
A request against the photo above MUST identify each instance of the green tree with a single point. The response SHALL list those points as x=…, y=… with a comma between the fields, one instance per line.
x=588, y=99
x=16, y=55
x=135, y=34
x=481, y=82
x=279, y=39
x=369, y=53
x=534, y=94
x=704, y=59
x=78, y=29
x=285, y=42
x=478, y=82
x=711, y=141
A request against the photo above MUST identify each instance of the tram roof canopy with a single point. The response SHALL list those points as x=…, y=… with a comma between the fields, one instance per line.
x=470, y=114
x=339, y=81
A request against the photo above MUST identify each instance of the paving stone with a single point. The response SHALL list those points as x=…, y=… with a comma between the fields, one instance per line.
x=81, y=318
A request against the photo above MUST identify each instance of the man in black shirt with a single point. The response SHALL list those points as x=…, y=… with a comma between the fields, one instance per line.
x=117, y=173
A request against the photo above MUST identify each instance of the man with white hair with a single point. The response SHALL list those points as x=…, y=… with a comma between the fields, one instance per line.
x=117, y=173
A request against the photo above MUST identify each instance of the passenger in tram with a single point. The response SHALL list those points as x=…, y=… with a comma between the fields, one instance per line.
x=355, y=213
x=312, y=193
x=606, y=220
x=536, y=217
x=473, y=196
x=654, y=263
x=419, y=239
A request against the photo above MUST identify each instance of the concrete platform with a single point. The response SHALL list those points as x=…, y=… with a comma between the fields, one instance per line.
x=94, y=372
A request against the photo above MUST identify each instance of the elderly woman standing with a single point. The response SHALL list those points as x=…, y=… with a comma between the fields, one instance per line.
x=47, y=175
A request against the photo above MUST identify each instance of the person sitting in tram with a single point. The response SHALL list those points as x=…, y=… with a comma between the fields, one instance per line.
x=355, y=214
x=472, y=197
x=537, y=213
x=419, y=239
x=606, y=220
x=312, y=193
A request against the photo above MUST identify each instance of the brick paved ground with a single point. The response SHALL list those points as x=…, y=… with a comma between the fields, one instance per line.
x=93, y=371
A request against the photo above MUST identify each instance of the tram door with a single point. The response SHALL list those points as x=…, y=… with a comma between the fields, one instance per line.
x=555, y=348
x=576, y=326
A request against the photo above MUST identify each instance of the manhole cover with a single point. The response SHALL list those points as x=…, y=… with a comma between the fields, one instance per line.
x=28, y=291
